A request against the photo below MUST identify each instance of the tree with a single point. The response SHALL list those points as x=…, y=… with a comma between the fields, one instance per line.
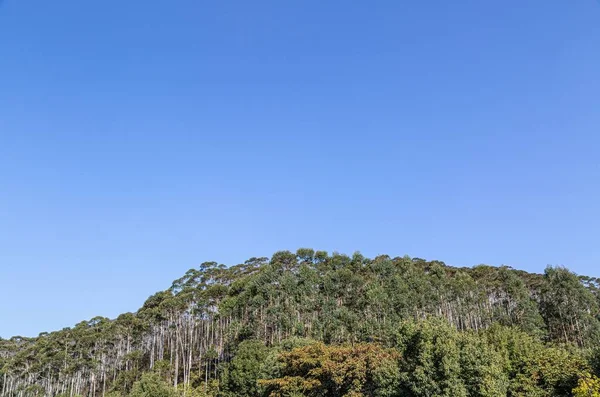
x=588, y=386
x=481, y=331
x=569, y=309
x=431, y=360
x=533, y=368
x=245, y=369
x=151, y=385
x=345, y=371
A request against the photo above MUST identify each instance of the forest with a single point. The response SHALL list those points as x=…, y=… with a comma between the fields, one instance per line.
x=311, y=323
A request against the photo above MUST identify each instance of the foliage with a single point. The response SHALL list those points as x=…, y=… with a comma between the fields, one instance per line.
x=570, y=308
x=346, y=371
x=535, y=368
x=151, y=385
x=245, y=369
x=217, y=330
x=588, y=386
x=440, y=361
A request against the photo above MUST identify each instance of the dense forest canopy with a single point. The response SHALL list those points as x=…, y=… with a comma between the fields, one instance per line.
x=314, y=324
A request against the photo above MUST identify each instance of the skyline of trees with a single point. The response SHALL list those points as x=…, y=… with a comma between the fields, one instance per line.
x=489, y=330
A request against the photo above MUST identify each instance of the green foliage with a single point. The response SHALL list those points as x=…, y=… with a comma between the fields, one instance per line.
x=151, y=385
x=481, y=331
x=587, y=386
x=534, y=368
x=113, y=394
x=481, y=367
x=569, y=308
x=209, y=389
x=243, y=372
x=35, y=391
x=440, y=361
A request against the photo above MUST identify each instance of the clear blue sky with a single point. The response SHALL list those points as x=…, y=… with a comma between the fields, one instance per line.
x=141, y=138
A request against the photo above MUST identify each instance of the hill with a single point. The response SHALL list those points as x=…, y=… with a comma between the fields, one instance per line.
x=316, y=324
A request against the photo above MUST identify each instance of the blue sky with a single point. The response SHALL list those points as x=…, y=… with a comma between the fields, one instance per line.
x=141, y=138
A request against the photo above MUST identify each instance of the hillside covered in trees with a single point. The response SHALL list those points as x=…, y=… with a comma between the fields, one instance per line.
x=313, y=324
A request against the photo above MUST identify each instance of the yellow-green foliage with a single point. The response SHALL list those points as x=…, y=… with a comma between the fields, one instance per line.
x=588, y=386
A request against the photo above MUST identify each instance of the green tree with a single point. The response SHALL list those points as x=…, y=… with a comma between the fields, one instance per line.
x=569, y=308
x=431, y=360
x=151, y=385
x=245, y=369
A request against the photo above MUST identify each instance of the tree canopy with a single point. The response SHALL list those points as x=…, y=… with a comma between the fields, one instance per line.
x=318, y=324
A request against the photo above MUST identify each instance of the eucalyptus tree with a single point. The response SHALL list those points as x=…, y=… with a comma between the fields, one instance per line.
x=479, y=331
